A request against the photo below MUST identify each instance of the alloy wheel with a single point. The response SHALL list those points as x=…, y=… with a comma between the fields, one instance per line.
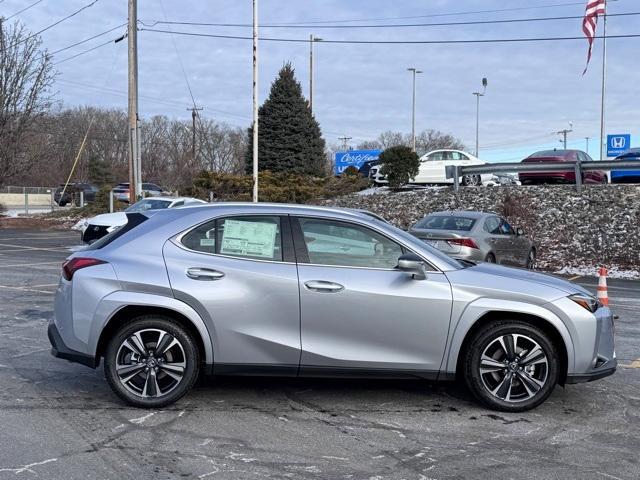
x=513, y=368
x=150, y=363
x=471, y=180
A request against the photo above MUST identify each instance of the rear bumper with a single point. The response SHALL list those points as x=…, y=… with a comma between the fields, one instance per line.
x=60, y=350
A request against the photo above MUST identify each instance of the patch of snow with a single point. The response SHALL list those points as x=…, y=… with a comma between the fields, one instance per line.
x=588, y=271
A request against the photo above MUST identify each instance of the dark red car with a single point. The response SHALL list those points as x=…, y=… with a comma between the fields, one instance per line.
x=569, y=176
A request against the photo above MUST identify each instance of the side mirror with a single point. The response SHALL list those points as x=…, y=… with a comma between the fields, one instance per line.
x=519, y=231
x=412, y=264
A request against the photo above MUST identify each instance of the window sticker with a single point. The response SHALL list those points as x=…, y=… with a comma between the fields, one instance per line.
x=207, y=242
x=255, y=239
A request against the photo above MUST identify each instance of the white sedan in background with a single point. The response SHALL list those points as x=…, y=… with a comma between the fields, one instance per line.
x=97, y=227
x=433, y=167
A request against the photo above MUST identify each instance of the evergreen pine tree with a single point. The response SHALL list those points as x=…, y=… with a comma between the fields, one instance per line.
x=289, y=137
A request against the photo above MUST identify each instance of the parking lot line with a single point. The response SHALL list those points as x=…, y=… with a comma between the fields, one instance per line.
x=30, y=264
x=26, y=289
x=21, y=247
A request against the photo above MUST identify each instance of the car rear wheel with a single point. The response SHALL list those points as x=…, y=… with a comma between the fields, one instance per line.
x=511, y=366
x=491, y=258
x=471, y=180
x=151, y=362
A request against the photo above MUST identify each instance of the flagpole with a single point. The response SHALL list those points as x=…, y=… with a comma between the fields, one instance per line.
x=604, y=78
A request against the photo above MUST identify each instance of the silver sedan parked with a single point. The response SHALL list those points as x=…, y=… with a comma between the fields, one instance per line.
x=310, y=291
x=477, y=237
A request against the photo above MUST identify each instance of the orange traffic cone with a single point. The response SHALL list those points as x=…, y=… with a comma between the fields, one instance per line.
x=602, y=295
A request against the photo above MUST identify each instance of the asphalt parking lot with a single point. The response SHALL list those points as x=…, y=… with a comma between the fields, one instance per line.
x=60, y=420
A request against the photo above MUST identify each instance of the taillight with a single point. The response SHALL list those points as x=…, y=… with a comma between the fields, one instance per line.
x=463, y=242
x=71, y=266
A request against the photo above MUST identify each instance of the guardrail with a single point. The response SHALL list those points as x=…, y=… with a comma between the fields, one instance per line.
x=458, y=171
x=34, y=190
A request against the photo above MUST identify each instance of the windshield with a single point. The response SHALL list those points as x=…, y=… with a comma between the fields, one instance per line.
x=550, y=153
x=446, y=222
x=148, y=204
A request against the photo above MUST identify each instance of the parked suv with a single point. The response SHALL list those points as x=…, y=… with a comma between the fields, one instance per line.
x=72, y=193
x=298, y=290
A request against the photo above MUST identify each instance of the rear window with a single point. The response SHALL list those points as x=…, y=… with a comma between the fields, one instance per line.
x=550, y=153
x=133, y=220
x=448, y=222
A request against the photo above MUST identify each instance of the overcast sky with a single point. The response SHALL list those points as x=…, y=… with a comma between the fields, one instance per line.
x=361, y=90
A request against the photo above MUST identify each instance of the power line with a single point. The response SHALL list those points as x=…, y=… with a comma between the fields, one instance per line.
x=402, y=25
x=87, y=39
x=473, y=12
x=388, y=42
x=53, y=24
x=113, y=40
x=23, y=10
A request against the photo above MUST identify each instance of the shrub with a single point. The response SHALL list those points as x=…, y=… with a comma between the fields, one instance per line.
x=273, y=187
x=399, y=164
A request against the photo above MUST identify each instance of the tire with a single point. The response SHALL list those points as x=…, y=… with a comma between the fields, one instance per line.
x=491, y=258
x=137, y=387
x=531, y=259
x=471, y=180
x=62, y=204
x=525, y=381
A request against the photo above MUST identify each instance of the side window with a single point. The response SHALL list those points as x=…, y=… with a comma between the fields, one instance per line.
x=491, y=225
x=255, y=238
x=505, y=228
x=456, y=156
x=178, y=204
x=345, y=244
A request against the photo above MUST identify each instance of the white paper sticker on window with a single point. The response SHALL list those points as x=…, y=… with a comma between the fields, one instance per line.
x=254, y=239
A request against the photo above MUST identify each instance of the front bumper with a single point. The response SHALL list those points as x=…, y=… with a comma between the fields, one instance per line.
x=60, y=350
x=590, y=377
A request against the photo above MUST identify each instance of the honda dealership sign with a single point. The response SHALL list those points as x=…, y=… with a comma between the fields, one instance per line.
x=354, y=158
x=618, y=144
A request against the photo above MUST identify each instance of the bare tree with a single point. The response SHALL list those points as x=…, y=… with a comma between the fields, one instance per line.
x=26, y=78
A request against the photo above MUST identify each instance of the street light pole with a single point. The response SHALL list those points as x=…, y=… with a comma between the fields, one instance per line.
x=478, y=95
x=413, y=71
x=312, y=39
x=587, y=139
x=255, y=100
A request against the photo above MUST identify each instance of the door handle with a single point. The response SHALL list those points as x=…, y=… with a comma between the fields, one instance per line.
x=204, y=274
x=323, y=286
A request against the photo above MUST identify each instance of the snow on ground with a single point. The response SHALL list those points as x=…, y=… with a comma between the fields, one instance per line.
x=16, y=212
x=613, y=272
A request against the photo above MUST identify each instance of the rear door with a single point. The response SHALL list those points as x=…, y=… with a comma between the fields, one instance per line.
x=360, y=314
x=240, y=274
x=501, y=243
x=432, y=169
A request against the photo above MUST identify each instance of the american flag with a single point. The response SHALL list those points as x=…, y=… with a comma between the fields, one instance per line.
x=595, y=8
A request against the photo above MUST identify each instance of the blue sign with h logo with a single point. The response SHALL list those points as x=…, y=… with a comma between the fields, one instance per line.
x=618, y=144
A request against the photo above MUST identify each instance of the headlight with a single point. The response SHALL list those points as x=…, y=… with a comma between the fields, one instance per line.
x=586, y=301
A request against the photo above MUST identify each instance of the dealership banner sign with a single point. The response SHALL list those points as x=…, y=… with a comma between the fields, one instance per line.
x=354, y=158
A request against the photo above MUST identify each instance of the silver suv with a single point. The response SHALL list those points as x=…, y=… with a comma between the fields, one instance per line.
x=308, y=291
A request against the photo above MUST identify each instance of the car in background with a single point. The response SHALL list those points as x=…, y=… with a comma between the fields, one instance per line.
x=72, y=193
x=97, y=227
x=623, y=176
x=432, y=169
x=476, y=237
x=569, y=176
x=366, y=167
x=121, y=191
x=297, y=290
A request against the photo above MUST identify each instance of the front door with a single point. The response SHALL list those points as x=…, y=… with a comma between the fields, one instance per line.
x=239, y=273
x=360, y=314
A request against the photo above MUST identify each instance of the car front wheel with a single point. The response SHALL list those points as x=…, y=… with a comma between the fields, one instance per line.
x=511, y=366
x=151, y=362
x=471, y=180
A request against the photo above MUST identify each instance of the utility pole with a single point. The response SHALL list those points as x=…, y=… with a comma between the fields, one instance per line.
x=255, y=100
x=312, y=39
x=135, y=182
x=587, y=139
x=478, y=95
x=194, y=114
x=564, y=135
x=413, y=108
x=345, y=144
